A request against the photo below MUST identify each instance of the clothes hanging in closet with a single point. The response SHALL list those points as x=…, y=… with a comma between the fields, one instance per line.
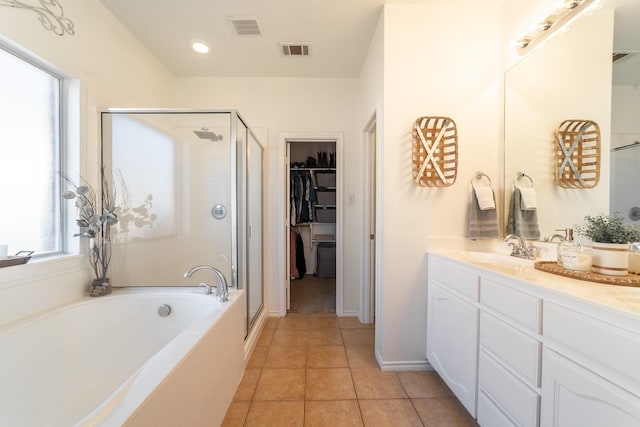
x=302, y=198
x=300, y=262
x=293, y=260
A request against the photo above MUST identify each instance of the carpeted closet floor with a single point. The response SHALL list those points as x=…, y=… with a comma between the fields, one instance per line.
x=313, y=295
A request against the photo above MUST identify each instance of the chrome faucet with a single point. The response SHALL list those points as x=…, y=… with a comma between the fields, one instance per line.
x=222, y=290
x=520, y=249
x=560, y=238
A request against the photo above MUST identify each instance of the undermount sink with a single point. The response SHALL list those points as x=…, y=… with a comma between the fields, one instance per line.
x=499, y=259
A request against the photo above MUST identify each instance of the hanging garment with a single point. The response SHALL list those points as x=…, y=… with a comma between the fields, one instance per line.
x=302, y=198
x=300, y=263
x=293, y=267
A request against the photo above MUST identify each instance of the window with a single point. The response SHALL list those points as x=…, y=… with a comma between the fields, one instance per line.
x=30, y=153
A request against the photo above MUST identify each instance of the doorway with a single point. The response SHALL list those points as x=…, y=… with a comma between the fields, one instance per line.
x=313, y=271
x=368, y=294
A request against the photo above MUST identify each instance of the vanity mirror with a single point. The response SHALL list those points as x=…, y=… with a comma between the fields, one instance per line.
x=570, y=77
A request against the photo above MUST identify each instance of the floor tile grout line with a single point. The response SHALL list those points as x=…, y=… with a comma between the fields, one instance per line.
x=305, y=400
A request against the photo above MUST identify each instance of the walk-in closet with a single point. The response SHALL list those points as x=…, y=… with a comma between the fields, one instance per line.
x=312, y=209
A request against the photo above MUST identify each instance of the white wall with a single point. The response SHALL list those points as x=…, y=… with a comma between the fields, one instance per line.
x=625, y=127
x=112, y=68
x=440, y=60
x=274, y=106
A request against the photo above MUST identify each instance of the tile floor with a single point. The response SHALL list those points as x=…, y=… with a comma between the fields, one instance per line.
x=320, y=370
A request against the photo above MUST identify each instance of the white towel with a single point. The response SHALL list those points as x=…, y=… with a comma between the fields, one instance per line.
x=528, y=201
x=485, y=198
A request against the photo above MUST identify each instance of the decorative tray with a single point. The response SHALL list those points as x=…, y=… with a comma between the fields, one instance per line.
x=553, y=267
x=21, y=257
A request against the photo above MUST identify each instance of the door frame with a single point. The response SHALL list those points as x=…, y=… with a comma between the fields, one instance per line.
x=283, y=174
x=366, y=313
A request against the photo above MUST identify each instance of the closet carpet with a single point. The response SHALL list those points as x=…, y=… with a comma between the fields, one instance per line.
x=313, y=295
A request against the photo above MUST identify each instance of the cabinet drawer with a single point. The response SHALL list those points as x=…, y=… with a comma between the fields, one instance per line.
x=518, y=306
x=447, y=275
x=513, y=348
x=515, y=399
x=612, y=348
x=490, y=415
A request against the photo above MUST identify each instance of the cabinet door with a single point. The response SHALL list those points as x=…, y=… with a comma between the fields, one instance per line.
x=452, y=343
x=574, y=396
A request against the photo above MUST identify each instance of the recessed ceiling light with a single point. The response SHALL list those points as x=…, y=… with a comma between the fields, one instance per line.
x=200, y=47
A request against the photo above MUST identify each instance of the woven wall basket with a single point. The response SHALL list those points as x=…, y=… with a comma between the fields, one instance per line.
x=435, y=152
x=577, y=156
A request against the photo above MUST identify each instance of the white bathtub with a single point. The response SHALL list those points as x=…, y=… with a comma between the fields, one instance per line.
x=114, y=361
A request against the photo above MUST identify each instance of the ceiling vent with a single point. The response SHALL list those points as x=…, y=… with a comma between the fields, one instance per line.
x=295, y=49
x=246, y=25
x=617, y=56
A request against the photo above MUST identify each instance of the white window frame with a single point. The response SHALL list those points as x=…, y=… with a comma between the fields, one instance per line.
x=67, y=150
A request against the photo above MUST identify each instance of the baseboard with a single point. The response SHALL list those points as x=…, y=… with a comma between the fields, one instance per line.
x=409, y=365
x=273, y=313
x=349, y=313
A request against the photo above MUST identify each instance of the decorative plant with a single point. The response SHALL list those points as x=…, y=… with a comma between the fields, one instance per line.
x=139, y=216
x=608, y=229
x=95, y=219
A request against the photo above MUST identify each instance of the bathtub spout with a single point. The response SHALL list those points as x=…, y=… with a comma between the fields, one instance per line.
x=222, y=290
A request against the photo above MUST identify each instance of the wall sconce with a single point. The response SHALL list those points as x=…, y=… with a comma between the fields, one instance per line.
x=569, y=11
x=50, y=14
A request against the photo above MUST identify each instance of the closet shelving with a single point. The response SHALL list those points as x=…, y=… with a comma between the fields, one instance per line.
x=318, y=230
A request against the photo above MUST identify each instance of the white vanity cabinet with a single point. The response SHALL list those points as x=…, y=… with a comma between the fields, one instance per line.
x=591, y=374
x=452, y=337
x=519, y=347
x=509, y=356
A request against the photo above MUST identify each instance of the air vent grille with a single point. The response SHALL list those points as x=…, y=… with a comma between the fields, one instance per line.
x=246, y=25
x=617, y=56
x=295, y=49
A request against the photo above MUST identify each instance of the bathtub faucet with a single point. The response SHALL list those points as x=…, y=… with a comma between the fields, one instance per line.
x=222, y=290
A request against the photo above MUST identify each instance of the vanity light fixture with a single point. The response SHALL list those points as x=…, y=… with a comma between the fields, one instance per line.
x=200, y=46
x=560, y=17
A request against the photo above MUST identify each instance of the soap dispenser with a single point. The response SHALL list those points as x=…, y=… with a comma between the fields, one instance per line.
x=572, y=255
x=567, y=244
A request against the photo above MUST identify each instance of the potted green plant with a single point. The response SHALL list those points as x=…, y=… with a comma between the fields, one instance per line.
x=611, y=238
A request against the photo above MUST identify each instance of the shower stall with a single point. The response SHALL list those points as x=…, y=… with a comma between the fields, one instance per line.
x=189, y=191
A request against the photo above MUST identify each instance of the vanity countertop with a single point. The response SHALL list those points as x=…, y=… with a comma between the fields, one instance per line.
x=619, y=298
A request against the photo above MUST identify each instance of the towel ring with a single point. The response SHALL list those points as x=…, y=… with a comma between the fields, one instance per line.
x=479, y=176
x=520, y=176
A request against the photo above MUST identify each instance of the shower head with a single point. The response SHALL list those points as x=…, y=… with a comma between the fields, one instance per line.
x=204, y=133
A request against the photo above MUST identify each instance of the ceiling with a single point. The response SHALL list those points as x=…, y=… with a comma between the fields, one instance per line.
x=339, y=32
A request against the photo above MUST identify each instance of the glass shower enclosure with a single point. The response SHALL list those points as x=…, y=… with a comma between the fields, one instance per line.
x=625, y=175
x=189, y=191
